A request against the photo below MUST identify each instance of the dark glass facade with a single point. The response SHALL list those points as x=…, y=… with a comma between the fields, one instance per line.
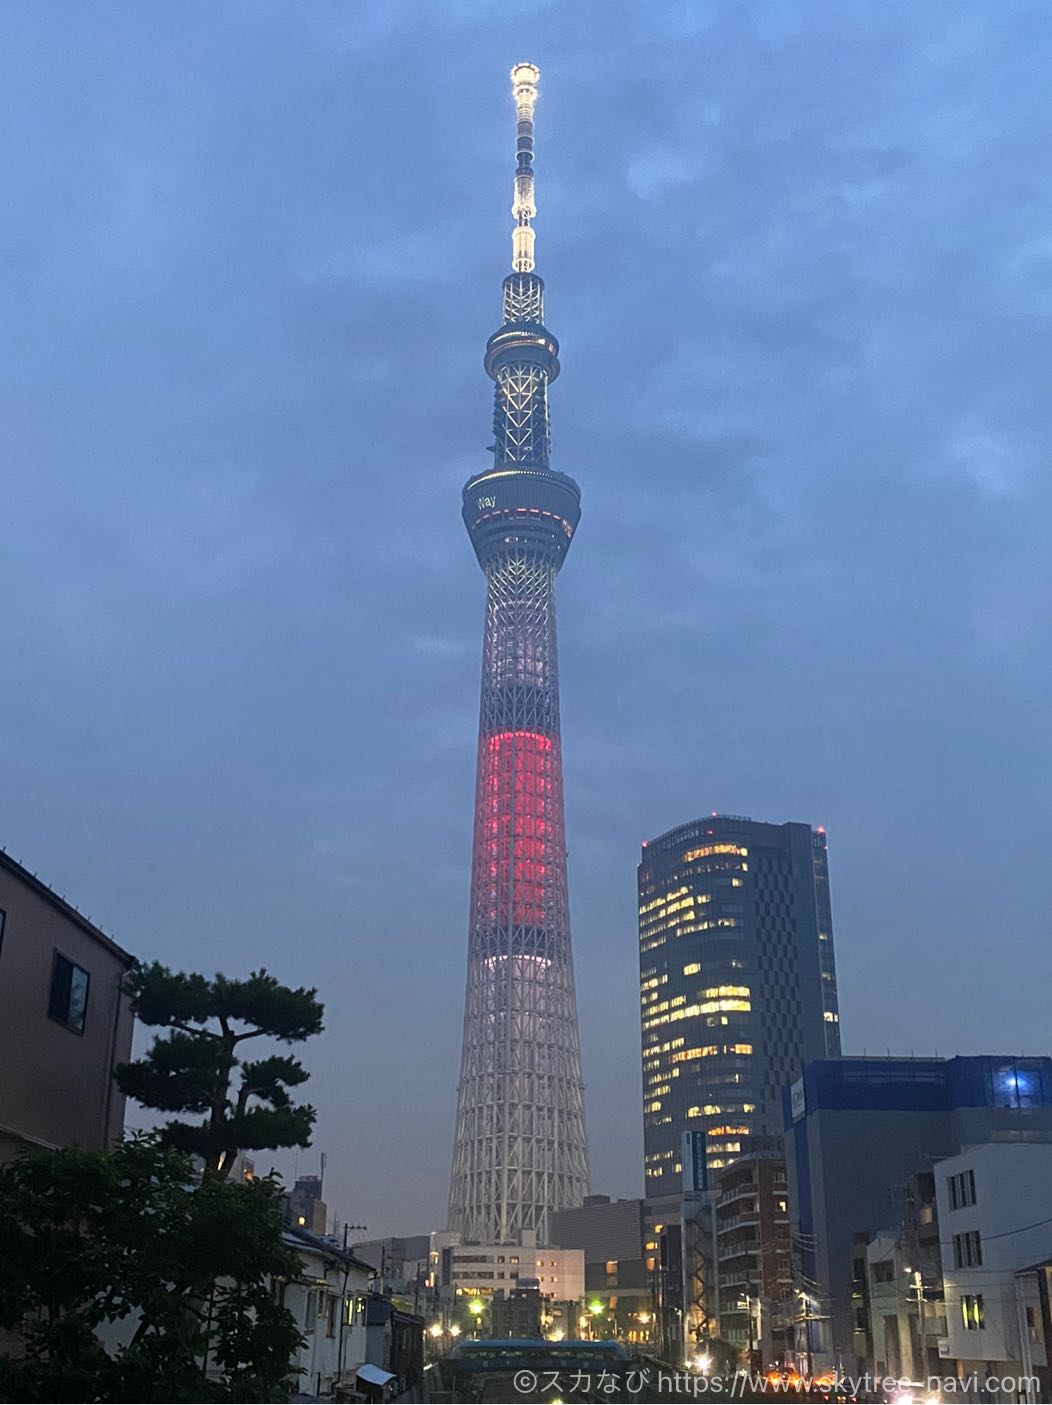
x=737, y=983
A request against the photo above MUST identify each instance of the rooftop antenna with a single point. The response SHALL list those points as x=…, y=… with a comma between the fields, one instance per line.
x=524, y=80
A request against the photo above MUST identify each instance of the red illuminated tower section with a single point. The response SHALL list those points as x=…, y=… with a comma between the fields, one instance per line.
x=520, y=1150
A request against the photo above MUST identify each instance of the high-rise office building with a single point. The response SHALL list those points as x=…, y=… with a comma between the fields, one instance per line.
x=520, y=1151
x=737, y=983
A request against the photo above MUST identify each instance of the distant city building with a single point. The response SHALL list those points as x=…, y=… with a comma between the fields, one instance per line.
x=612, y=1235
x=737, y=983
x=754, y=1262
x=520, y=1150
x=400, y=1261
x=482, y=1269
x=64, y=1021
x=857, y=1130
x=517, y=1312
x=305, y=1209
x=242, y=1168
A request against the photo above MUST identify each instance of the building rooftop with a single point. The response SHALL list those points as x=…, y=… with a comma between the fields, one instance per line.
x=925, y=1084
x=297, y=1235
x=38, y=886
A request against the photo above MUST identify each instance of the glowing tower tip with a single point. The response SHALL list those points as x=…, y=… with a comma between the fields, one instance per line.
x=524, y=80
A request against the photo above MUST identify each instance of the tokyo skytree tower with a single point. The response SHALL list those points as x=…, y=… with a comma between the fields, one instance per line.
x=520, y=1150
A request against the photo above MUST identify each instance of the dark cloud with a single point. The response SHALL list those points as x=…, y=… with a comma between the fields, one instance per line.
x=800, y=261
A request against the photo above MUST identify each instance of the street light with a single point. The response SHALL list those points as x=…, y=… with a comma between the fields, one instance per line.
x=805, y=1299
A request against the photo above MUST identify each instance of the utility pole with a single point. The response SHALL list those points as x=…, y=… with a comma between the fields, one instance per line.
x=361, y=1228
x=343, y=1300
x=922, y=1325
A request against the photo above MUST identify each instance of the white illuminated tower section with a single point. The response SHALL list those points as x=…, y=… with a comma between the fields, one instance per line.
x=520, y=1150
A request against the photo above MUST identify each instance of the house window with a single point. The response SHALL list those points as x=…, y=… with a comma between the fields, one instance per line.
x=330, y=1326
x=69, y=994
x=961, y=1189
x=972, y=1311
x=1033, y=1324
x=967, y=1250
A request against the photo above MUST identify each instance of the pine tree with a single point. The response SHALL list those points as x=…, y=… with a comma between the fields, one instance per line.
x=196, y=1066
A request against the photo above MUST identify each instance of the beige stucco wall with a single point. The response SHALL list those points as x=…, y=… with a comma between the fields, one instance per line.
x=56, y=1085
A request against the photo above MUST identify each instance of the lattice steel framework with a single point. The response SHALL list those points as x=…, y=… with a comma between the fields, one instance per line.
x=520, y=1149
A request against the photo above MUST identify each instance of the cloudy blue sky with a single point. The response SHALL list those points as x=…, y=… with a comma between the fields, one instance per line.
x=799, y=257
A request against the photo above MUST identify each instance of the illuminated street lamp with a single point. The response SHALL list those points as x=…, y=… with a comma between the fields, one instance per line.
x=477, y=1307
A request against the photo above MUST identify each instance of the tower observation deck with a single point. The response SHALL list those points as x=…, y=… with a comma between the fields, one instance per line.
x=520, y=1149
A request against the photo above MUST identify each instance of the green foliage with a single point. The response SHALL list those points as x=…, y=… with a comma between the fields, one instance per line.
x=191, y=1068
x=173, y=1272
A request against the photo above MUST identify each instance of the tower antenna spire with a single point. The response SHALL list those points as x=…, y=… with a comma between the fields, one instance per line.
x=524, y=80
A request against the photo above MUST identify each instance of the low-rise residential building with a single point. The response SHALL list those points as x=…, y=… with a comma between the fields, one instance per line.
x=892, y=1302
x=329, y=1301
x=899, y=1316
x=394, y=1345
x=995, y=1209
x=1034, y=1294
x=64, y=1020
x=355, y=1341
